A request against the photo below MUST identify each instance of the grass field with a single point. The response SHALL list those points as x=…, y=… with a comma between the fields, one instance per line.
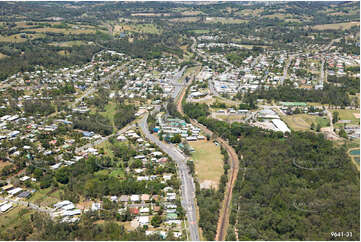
x=302, y=122
x=139, y=28
x=185, y=19
x=252, y=12
x=64, y=31
x=347, y=114
x=208, y=162
x=225, y=20
x=45, y=197
x=230, y=118
x=227, y=101
x=16, y=38
x=68, y=43
x=278, y=15
x=187, y=13
x=110, y=110
x=337, y=26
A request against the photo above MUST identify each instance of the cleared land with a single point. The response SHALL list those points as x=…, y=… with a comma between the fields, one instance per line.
x=16, y=38
x=347, y=114
x=69, y=43
x=185, y=19
x=45, y=197
x=208, y=162
x=110, y=110
x=139, y=28
x=3, y=164
x=229, y=118
x=225, y=20
x=302, y=122
x=341, y=26
x=64, y=31
x=187, y=13
x=2, y=55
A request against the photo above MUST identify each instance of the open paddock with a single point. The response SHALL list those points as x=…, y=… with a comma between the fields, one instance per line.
x=225, y=20
x=208, y=162
x=63, y=31
x=185, y=19
x=341, y=26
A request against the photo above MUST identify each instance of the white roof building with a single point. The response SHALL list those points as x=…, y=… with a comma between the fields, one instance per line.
x=280, y=125
x=134, y=198
x=143, y=220
x=62, y=204
x=6, y=207
x=15, y=191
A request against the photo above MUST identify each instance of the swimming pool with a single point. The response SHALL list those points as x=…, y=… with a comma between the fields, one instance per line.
x=355, y=152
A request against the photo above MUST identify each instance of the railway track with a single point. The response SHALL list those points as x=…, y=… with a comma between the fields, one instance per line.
x=234, y=164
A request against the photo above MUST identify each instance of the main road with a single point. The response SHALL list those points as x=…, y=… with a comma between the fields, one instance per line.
x=188, y=188
x=234, y=164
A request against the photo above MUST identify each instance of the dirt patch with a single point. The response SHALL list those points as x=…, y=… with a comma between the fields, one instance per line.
x=3, y=164
x=84, y=204
x=208, y=184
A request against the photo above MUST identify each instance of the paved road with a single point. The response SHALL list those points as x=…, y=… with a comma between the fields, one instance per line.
x=285, y=69
x=188, y=189
x=177, y=86
x=234, y=162
x=322, y=72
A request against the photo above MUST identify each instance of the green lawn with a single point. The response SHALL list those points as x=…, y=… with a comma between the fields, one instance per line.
x=302, y=122
x=110, y=110
x=347, y=114
x=39, y=195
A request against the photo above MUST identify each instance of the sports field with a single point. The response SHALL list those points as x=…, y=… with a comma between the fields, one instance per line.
x=208, y=162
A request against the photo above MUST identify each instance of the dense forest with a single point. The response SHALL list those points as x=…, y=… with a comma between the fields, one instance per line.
x=331, y=94
x=299, y=187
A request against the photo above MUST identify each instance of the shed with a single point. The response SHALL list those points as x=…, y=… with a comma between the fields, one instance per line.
x=24, y=194
x=15, y=191
x=6, y=207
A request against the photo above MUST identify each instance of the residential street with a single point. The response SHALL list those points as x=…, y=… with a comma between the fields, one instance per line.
x=188, y=189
